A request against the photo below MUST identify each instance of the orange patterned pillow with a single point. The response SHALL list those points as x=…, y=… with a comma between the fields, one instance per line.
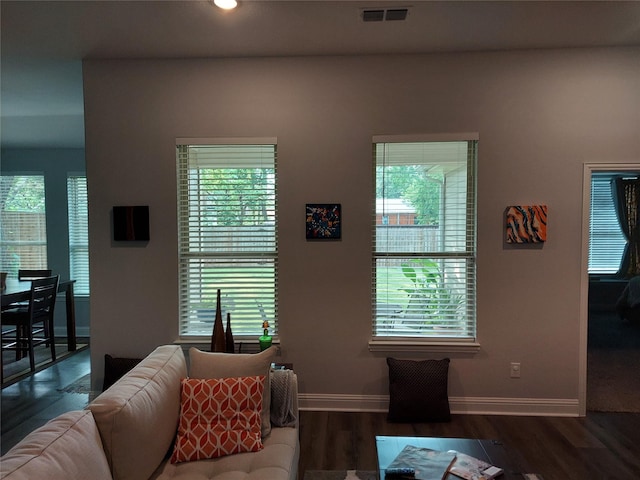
x=219, y=416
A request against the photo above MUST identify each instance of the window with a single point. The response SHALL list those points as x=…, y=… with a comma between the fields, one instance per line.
x=606, y=240
x=424, y=254
x=24, y=231
x=227, y=235
x=78, y=233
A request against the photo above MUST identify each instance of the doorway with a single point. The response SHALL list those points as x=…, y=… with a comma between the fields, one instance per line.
x=609, y=344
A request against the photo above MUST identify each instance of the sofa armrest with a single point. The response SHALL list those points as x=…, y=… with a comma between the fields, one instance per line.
x=66, y=448
x=138, y=416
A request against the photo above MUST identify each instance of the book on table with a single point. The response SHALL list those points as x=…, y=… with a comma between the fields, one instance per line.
x=471, y=468
x=428, y=464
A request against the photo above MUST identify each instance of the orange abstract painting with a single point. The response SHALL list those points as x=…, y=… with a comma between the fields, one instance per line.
x=526, y=223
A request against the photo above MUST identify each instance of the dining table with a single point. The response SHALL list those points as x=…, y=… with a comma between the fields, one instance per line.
x=17, y=291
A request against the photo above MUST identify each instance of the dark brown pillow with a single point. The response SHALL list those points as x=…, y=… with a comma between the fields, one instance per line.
x=114, y=368
x=418, y=390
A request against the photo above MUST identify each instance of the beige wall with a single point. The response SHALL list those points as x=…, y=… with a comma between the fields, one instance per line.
x=540, y=116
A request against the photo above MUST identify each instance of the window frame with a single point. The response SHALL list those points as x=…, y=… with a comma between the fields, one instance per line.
x=598, y=223
x=42, y=243
x=78, y=232
x=442, y=344
x=187, y=252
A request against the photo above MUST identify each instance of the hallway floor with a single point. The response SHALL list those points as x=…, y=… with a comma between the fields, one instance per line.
x=613, y=354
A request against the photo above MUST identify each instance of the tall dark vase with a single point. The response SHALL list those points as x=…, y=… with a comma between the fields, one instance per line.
x=217, y=338
x=230, y=344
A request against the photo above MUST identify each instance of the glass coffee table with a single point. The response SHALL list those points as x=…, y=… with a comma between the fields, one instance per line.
x=491, y=451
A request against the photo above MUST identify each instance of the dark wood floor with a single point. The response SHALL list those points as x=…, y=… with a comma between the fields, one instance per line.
x=33, y=401
x=598, y=446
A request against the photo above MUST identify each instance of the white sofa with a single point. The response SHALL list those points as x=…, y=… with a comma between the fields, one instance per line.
x=127, y=432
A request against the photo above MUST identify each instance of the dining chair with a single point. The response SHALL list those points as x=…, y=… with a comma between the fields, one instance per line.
x=33, y=274
x=25, y=275
x=26, y=327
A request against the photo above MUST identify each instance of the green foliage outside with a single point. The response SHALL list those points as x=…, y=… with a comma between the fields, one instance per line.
x=22, y=203
x=419, y=290
x=416, y=186
x=428, y=297
x=23, y=194
x=240, y=195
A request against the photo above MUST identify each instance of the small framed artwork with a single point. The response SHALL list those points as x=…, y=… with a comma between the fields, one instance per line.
x=131, y=223
x=323, y=221
x=526, y=223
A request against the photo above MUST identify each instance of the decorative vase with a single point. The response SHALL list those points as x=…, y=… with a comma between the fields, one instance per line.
x=230, y=344
x=265, y=342
x=217, y=338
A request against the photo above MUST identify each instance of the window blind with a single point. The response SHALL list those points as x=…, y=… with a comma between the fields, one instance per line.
x=23, y=243
x=606, y=240
x=227, y=236
x=424, y=258
x=78, y=212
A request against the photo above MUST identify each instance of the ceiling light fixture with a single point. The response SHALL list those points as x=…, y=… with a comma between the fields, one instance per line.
x=226, y=4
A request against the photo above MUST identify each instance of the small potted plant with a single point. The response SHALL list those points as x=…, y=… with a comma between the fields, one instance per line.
x=265, y=340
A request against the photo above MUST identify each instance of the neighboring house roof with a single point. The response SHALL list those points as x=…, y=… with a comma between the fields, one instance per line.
x=393, y=205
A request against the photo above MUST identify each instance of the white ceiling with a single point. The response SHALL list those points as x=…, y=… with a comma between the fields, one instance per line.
x=43, y=43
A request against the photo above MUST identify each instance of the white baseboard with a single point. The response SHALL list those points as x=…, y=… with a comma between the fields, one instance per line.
x=552, y=407
x=343, y=403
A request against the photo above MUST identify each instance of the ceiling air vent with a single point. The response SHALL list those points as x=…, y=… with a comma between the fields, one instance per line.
x=373, y=15
x=384, y=15
x=396, y=14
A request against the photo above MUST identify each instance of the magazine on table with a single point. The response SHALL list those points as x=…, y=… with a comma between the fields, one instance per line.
x=426, y=463
x=471, y=468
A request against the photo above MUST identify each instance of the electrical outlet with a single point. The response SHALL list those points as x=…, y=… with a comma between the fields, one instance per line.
x=515, y=370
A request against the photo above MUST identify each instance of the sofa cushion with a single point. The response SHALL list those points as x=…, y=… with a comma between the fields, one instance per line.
x=278, y=460
x=219, y=417
x=225, y=365
x=418, y=390
x=67, y=447
x=138, y=416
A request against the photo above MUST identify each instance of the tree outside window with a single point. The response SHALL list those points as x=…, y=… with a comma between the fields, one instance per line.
x=23, y=243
